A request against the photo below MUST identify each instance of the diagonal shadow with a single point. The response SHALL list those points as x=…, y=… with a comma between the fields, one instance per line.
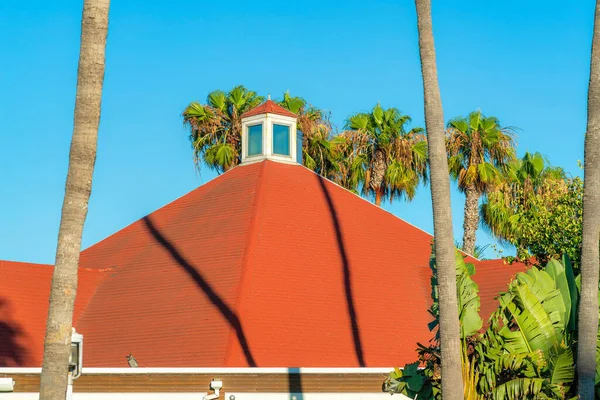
x=214, y=298
x=12, y=353
x=358, y=349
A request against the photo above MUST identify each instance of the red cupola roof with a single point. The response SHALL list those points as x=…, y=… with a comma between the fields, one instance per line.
x=269, y=107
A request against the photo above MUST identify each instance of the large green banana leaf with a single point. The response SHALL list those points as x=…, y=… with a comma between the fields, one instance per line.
x=562, y=274
x=535, y=329
x=520, y=388
x=563, y=371
x=544, y=288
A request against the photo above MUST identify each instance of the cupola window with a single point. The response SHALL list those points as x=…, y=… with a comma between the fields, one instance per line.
x=255, y=134
x=281, y=140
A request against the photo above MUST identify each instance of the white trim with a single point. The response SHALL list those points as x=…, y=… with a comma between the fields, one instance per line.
x=314, y=396
x=254, y=160
x=261, y=117
x=226, y=370
x=20, y=370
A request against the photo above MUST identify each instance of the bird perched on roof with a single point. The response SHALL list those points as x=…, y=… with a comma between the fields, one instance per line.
x=131, y=361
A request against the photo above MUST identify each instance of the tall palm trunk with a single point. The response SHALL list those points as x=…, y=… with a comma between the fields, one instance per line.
x=471, y=221
x=452, y=387
x=82, y=156
x=378, y=176
x=590, y=257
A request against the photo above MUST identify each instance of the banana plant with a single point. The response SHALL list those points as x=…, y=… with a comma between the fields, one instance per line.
x=527, y=351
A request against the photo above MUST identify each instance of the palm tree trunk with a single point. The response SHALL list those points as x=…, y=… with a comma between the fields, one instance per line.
x=82, y=156
x=471, y=221
x=590, y=253
x=378, y=198
x=378, y=175
x=452, y=387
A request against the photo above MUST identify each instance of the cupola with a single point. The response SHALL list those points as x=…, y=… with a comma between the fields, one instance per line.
x=269, y=132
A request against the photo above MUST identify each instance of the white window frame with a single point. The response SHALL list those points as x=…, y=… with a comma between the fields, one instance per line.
x=246, y=137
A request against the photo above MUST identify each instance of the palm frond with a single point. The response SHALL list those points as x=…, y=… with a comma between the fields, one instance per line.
x=394, y=161
x=478, y=143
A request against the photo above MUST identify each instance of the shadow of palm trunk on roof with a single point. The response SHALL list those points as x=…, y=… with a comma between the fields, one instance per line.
x=358, y=349
x=12, y=354
x=208, y=291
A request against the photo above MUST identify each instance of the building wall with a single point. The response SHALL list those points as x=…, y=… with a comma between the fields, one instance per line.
x=238, y=383
x=197, y=396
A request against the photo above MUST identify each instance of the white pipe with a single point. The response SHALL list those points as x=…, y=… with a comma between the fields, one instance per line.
x=70, y=388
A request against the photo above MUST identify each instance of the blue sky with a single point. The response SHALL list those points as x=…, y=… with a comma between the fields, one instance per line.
x=525, y=62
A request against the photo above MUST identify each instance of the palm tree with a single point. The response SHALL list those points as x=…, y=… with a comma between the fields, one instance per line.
x=216, y=127
x=452, y=384
x=388, y=161
x=82, y=157
x=478, y=148
x=588, y=306
x=522, y=178
x=316, y=128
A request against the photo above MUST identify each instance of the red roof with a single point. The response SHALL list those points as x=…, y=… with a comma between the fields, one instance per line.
x=269, y=107
x=24, y=292
x=268, y=265
x=493, y=277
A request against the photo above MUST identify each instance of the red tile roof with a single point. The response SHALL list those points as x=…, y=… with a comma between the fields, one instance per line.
x=269, y=107
x=268, y=265
x=24, y=292
x=493, y=277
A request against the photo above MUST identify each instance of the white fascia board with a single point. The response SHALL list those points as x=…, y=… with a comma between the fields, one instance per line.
x=314, y=396
x=260, y=117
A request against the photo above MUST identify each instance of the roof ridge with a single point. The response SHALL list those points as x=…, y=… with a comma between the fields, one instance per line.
x=104, y=272
x=367, y=201
x=27, y=263
x=382, y=209
x=252, y=227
